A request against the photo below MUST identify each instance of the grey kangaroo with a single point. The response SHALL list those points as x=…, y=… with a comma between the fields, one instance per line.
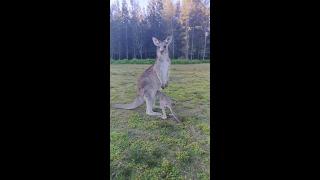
x=165, y=103
x=152, y=79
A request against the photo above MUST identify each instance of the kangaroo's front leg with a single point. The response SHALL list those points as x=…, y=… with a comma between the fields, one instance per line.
x=168, y=74
x=159, y=75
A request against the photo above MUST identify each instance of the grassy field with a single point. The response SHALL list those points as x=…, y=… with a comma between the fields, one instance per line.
x=148, y=147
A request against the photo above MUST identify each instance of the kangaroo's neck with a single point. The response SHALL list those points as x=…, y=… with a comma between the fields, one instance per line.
x=163, y=56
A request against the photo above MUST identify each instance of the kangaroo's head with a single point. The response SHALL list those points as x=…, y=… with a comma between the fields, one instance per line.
x=162, y=47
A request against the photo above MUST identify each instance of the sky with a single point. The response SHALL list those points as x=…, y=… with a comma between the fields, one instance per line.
x=142, y=3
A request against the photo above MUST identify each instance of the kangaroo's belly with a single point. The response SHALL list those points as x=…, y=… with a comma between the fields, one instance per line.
x=164, y=67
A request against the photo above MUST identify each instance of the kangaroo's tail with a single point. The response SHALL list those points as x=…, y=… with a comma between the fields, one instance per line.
x=136, y=103
x=175, y=116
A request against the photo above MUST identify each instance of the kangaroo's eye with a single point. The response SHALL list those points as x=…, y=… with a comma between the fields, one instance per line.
x=165, y=46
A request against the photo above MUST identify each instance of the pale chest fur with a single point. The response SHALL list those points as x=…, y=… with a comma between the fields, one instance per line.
x=164, y=68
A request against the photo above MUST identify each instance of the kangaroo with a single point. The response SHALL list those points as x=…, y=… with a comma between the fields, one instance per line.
x=165, y=103
x=152, y=79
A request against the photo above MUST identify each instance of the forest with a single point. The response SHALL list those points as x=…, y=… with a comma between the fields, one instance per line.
x=132, y=28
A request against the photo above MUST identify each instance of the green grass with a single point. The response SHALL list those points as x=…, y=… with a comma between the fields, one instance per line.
x=151, y=61
x=148, y=147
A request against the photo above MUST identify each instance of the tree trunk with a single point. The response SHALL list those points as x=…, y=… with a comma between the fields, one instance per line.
x=134, y=53
x=146, y=52
x=119, y=50
x=173, y=38
x=187, y=41
x=173, y=49
x=204, y=50
x=192, y=42
x=136, y=42
x=126, y=42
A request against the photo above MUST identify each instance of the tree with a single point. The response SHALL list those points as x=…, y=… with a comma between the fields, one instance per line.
x=125, y=22
x=131, y=29
x=111, y=34
x=186, y=8
x=178, y=38
x=134, y=25
x=205, y=25
x=168, y=13
x=115, y=34
x=156, y=26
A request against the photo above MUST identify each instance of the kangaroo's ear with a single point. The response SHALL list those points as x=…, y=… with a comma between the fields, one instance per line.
x=155, y=41
x=168, y=40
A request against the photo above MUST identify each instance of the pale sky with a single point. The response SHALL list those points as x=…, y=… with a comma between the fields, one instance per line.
x=142, y=3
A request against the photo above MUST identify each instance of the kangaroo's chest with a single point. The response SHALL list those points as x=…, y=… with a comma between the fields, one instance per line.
x=164, y=67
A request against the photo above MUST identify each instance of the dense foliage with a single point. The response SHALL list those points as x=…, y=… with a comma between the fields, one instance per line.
x=132, y=29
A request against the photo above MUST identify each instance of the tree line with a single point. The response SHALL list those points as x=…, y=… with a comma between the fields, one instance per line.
x=132, y=29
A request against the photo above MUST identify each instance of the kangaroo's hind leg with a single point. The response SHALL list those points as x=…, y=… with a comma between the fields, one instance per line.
x=149, y=104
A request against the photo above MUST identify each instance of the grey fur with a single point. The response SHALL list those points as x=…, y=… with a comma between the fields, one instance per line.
x=152, y=79
x=165, y=103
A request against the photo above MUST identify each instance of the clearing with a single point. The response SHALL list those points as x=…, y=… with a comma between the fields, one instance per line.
x=148, y=147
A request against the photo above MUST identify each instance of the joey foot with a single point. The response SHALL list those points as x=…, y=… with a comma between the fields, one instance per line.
x=163, y=117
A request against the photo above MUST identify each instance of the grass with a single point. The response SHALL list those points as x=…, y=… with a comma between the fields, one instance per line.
x=147, y=147
x=151, y=61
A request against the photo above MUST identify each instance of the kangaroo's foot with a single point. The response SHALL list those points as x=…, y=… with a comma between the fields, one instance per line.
x=154, y=113
x=163, y=116
x=158, y=107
